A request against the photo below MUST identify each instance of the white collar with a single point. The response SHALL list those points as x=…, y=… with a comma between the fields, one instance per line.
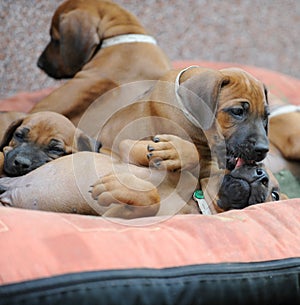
x=284, y=109
x=187, y=114
x=127, y=38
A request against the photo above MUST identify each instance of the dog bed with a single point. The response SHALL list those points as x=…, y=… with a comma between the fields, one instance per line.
x=249, y=256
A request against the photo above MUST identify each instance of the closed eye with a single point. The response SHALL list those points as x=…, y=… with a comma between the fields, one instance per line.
x=20, y=134
x=56, y=147
x=56, y=150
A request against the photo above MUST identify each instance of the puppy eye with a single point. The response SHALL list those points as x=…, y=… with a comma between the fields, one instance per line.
x=56, y=150
x=55, y=147
x=275, y=196
x=237, y=112
x=19, y=135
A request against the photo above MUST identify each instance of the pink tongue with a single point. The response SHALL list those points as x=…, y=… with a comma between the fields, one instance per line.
x=239, y=162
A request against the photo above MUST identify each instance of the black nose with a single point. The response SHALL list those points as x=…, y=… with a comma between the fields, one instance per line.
x=262, y=176
x=22, y=162
x=261, y=151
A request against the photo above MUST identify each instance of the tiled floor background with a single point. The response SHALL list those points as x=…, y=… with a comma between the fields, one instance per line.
x=264, y=33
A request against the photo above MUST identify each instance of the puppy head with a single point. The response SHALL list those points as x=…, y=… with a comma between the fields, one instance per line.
x=232, y=106
x=39, y=138
x=74, y=39
x=247, y=185
x=243, y=117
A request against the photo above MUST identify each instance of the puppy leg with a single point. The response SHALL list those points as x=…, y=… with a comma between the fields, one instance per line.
x=134, y=197
x=124, y=188
x=134, y=152
x=165, y=151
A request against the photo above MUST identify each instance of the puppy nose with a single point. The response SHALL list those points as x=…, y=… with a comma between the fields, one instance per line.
x=261, y=150
x=22, y=162
x=262, y=175
x=40, y=63
x=260, y=172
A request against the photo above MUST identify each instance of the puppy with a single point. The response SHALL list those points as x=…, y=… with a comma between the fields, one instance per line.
x=285, y=128
x=223, y=112
x=100, y=46
x=38, y=138
x=247, y=185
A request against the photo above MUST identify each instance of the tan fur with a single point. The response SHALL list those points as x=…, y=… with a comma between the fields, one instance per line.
x=162, y=115
x=80, y=26
x=44, y=127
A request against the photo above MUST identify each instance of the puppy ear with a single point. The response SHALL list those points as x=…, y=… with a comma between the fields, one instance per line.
x=200, y=93
x=86, y=143
x=9, y=133
x=78, y=39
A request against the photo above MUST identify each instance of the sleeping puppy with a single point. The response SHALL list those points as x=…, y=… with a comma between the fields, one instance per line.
x=38, y=138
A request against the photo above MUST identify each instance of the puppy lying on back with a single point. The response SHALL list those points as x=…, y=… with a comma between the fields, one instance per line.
x=38, y=138
x=245, y=185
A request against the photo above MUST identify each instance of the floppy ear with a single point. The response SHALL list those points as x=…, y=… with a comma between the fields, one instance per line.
x=9, y=133
x=78, y=38
x=200, y=93
x=86, y=143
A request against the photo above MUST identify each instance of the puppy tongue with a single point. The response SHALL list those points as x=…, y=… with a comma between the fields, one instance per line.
x=240, y=162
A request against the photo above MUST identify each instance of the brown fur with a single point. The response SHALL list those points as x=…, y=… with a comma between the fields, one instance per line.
x=219, y=91
x=216, y=89
x=38, y=138
x=77, y=30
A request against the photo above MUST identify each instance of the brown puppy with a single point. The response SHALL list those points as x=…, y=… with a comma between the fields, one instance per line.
x=101, y=46
x=224, y=113
x=247, y=185
x=38, y=138
x=284, y=130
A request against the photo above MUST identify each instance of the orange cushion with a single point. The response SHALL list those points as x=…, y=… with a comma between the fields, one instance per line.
x=249, y=256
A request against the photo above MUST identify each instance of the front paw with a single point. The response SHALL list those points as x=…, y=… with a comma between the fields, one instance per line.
x=172, y=153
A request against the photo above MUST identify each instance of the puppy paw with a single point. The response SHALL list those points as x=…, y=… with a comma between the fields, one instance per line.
x=134, y=152
x=172, y=153
x=124, y=188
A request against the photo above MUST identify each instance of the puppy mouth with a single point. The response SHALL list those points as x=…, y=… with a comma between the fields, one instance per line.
x=236, y=162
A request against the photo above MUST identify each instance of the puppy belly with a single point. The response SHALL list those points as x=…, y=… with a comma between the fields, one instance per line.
x=59, y=186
